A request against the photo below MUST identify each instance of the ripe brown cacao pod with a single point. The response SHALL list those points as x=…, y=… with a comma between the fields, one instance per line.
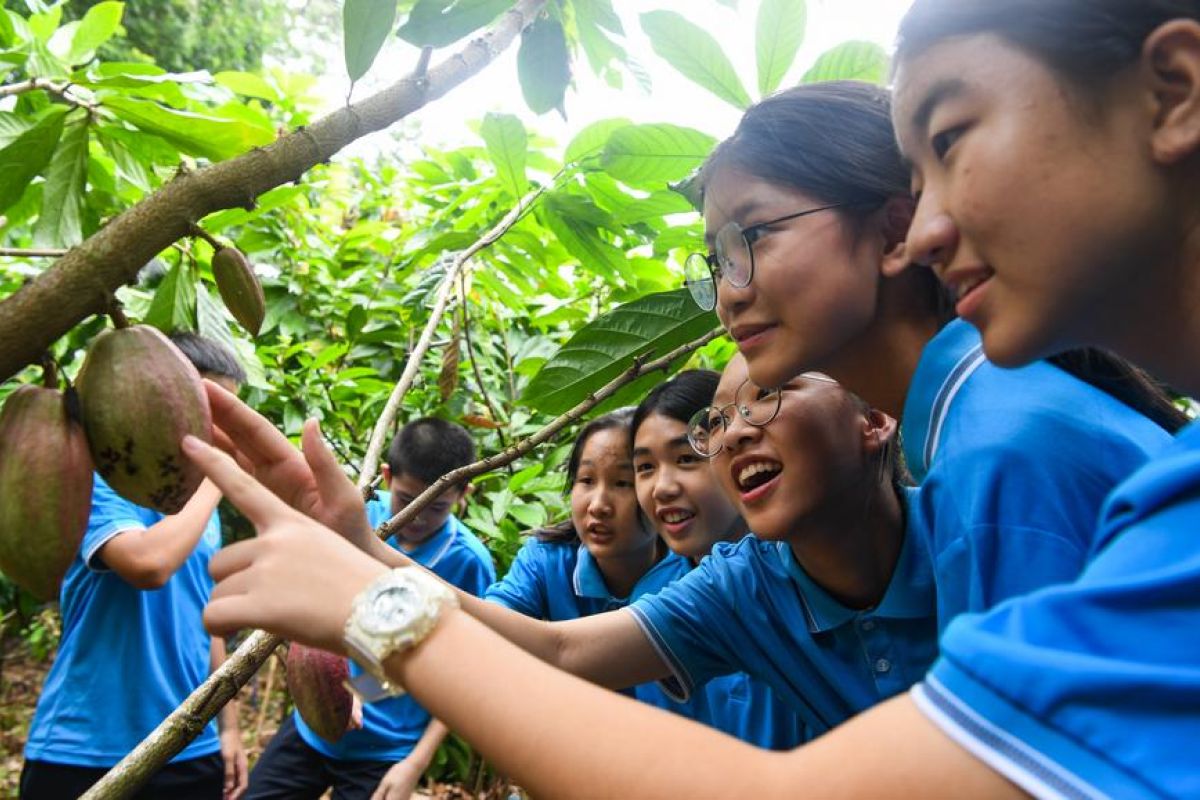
x=45, y=489
x=239, y=288
x=316, y=680
x=140, y=396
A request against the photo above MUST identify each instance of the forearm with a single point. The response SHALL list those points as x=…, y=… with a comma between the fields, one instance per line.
x=227, y=718
x=148, y=558
x=422, y=755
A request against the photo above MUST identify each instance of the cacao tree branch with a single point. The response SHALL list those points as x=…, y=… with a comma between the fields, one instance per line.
x=185, y=722
x=458, y=266
x=80, y=283
x=60, y=90
x=487, y=398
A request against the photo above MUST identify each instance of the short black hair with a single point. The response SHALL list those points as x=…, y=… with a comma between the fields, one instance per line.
x=428, y=448
x=679, y=398
x=209, y=356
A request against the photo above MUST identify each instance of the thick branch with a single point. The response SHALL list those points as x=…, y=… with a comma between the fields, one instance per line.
x=457, y=267
x=173, y=734
x=80, y=283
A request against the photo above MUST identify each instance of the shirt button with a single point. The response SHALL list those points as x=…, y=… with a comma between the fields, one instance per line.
x=883, y=665
x=868, y=624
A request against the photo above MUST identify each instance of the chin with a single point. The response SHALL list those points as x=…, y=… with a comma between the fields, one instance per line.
x=768, y=369
x=1016, y=348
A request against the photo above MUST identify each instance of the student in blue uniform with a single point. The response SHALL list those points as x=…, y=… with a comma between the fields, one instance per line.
x=133, y=647
x=605, y=556
x=387, y=756
x=1020, y=118
x=811, y=192
x=682, y=498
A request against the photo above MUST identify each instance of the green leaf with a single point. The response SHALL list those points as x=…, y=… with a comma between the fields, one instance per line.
x=13, y=125
x=437, y=23
x=650, y=156
x=590, y=141
x=595, y=20
x=849, y=61
x=60, y=223
x=210, y=319
x=26, y=156
x=648, y=327
x=248, y=84
x=544, y=66
x=195, y=134
x=129, y=166
x=695, y=54
x=780, y=30
x=507, y=144
x=365, y=26
x=98, y=25
x=174, y=305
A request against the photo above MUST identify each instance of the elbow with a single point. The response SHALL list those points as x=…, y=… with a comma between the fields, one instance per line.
x=147, y=574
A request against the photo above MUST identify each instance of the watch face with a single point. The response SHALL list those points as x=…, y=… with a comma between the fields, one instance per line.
x=391, y=608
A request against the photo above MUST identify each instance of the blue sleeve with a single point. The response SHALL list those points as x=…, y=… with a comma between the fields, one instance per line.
x=111, y=514
x=523, y=588
x=1014, y=508
x=1091, y=688
x=468, y=571
x=688, y=623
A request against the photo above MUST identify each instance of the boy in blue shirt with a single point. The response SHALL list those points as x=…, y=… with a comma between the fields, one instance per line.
x=397, y=741
x=133, y=646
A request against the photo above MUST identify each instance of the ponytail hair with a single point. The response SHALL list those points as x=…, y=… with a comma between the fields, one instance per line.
x=1119, y=378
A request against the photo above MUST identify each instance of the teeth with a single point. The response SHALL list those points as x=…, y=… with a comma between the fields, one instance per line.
x=756, y=468
x=677, y=516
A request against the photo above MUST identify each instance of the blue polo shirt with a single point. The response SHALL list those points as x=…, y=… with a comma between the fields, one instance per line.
x=751, y=607
x=1092, y=688
x=1014, y=466
x=392, y=727
x=127, y=657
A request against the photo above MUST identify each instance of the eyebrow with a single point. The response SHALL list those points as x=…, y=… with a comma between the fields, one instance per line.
x=745, y=209
x=938, y=93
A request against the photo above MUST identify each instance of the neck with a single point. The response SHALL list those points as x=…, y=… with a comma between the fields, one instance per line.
x=853, y=563
x=878, y=365
x=621, y=573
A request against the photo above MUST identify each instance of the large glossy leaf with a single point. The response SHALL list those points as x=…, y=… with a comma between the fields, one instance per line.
x=210, y=319
x=544, y=66
x=437, y=23
x=98, y=25
x=779, y=32
x=13, y=125
x=600, y=351
x=695, y=54
x=597, y=23
x=589, y=143
x=60, y=223
x=857, y=61
x=650, y=156
x=23, y=159
x=212, y=137
x=174, y=305
x=365, y=27
x=507, y=144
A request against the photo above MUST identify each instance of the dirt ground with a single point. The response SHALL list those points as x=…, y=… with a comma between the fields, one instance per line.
x=261, y=711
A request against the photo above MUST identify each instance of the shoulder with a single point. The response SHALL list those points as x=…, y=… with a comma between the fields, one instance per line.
x=1169, y=483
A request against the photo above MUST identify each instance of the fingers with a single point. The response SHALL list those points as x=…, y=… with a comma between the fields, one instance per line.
x=325, y=467
x=234, y=558
x=254, y=433
x=251, y=498
x=227, y=615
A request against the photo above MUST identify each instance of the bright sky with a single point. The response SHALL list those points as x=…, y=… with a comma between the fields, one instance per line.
x=672, y=99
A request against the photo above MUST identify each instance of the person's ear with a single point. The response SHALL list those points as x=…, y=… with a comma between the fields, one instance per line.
x=460, y=504
x=1171, y=69
x=879, y=431
x=897, y=217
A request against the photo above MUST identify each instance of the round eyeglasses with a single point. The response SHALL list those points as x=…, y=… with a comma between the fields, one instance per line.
x=732, y=258
x=706, y=430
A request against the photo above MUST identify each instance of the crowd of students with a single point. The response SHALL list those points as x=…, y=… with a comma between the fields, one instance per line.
x=959, y=269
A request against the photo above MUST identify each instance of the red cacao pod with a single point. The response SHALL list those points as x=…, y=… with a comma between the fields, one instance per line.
x=140, y=396
x=316, y=680
x=45, y=489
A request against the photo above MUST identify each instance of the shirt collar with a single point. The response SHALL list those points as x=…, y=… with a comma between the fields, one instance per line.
x=946, y=362
x=429, y=552
x=588, y=581
x=910, y=593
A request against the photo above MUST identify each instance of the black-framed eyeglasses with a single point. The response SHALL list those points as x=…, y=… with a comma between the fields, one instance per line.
x=732, y=258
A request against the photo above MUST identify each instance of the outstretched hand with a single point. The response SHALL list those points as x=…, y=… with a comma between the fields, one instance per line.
x=297, y=579
x=310, y=481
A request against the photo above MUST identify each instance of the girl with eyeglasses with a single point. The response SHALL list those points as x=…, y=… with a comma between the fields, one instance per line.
x=807, y=208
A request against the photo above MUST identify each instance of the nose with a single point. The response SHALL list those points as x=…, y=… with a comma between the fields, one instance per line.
x=739, y=433
x=933, y=236
x=599, y=504
x=666, y=485
x=733, y=300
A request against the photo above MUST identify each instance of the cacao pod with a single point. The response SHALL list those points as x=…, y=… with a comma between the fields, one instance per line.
x=140, y=396
x=45, y=489
x=239, y=288
x=316, y=680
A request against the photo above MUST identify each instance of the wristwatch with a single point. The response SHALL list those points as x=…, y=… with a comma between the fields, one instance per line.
x=394, y=613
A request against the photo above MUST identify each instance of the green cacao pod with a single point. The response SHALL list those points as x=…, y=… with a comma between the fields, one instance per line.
x=140, y=396
x=316, y=680
x=239, y=288
x=45, y=489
